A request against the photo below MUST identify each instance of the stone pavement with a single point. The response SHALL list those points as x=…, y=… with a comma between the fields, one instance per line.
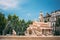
x=29, y=38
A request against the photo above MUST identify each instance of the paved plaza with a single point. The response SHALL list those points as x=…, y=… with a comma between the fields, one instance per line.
x=29, y=37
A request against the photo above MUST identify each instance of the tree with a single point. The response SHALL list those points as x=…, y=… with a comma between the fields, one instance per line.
x=9, y=17
x=57, y=32
x=22, y=27
x=2, y=23
x=15, y=22
x=12, y=23
x=58, y=22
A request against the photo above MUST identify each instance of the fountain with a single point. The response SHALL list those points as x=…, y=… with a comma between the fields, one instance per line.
x=40, y=28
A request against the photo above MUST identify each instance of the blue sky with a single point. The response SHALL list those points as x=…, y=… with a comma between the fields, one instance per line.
x=28, y=9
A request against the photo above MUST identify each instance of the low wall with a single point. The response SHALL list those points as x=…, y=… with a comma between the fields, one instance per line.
x=29, y=38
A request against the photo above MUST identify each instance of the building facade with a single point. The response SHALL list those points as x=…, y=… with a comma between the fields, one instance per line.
x=54, y=16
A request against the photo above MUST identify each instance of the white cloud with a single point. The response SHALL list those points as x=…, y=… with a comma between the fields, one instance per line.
x=8, y=4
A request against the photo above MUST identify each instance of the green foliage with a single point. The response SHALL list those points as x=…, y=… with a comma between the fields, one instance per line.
x=9, y=17
x=58, y=22
x=2, y=22
x=57, y=32
x=13, y=22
